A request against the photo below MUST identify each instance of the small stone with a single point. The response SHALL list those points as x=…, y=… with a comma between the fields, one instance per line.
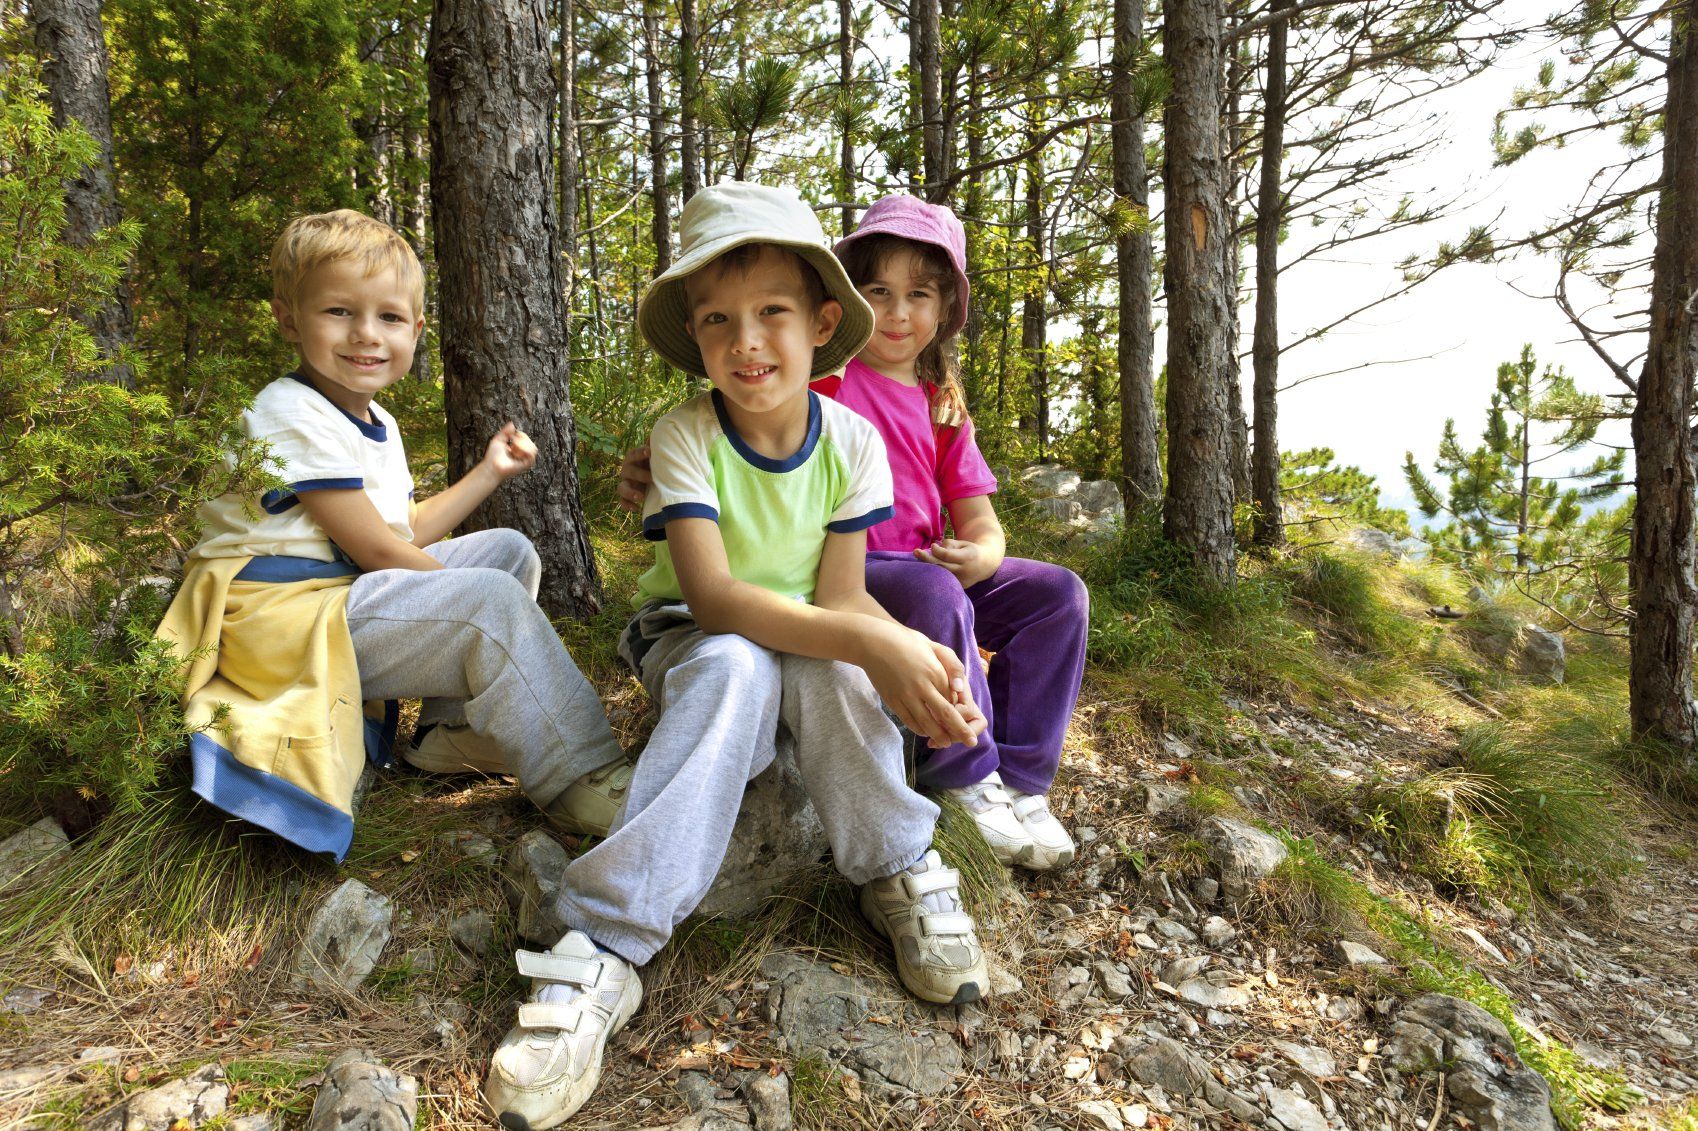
x=1174, y=930
x=1244, y=854
x=1115, y=984
x=1486, y=945
x=1670, y=1037
x=14, y=1080
x=1217, y=932
x=474, y=931
x=1317, y=1062
x=1180, y=969
x=344, y=938
x=1145, y=942
x=469, y=844
x=532, y=870
x=769, y=1100
x=1102, y=1113
x=1197, y=991
x=1076, y=1067
x=1344, y=1009
x=26, y=1000
x=359, y=1094
x=1003, y=982
x=25, y=849
x=1355, y=954
x=195, y=1099
x=1294, y=1111
x=1135, y=1115
x=420, y=960
x=1163, y=797
x=100, y=1054
x=1206, y=889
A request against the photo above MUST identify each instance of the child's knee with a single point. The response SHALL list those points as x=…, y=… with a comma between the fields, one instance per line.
x=1063, y=590
x=514, y=547
x=728, y=662
x=938, y=602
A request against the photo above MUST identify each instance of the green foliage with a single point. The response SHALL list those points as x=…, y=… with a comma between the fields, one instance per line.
x=1313, y=481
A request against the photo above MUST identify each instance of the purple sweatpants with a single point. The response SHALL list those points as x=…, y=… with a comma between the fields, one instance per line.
x=1033, y=615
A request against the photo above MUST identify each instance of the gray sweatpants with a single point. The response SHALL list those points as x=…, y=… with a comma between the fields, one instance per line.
x=474, y=632
x=725, y=702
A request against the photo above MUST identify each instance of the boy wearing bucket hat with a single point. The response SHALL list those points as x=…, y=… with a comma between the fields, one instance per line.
x=753, y=628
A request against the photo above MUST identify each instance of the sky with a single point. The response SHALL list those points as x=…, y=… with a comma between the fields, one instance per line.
x=1462, y=323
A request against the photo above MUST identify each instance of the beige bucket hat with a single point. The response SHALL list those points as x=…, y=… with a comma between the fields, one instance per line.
x=731, y=214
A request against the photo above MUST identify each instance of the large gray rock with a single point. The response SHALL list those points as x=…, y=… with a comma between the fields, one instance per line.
x=1375, y=542
x=1486, y=1080
x=1169, y=1065
x=1063, y=509
x=1049, y=481
x=925, y=1061
x=344, y=938
x=769, y=1100
x=26, y=848
x=359, y=1094
x=777, y=834
x=1244, y=854
x=198, y=1097
x=1101, y=498
x=532, y=872
x=1541, y=654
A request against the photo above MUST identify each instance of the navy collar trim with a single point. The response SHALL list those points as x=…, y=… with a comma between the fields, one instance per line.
x=767, y=463
x=378, y=432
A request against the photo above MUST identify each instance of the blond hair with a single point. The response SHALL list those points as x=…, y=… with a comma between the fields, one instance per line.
x=938, y=366
x=309, y=242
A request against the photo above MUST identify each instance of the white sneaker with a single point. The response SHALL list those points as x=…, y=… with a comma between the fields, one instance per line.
x=548, y=1064
x=1051, y=846
x=993, y=811
x=919, y=910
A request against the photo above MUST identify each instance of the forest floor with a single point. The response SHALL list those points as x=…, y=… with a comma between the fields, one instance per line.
x=1134, y=941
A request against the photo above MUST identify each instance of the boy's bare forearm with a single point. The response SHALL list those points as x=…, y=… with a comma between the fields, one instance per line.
x=785, y=625
x=437, y=516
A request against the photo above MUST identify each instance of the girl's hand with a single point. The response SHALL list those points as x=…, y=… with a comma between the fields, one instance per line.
x=634, y=479
x=966, y=560
x=510, y=452
x=919, y=681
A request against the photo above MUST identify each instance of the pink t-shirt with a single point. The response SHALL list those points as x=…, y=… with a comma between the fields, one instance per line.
x=931, y=465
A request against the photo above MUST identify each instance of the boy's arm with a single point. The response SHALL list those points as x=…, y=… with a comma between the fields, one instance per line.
x=348, y=518
x=510, y=453
x=901, y=663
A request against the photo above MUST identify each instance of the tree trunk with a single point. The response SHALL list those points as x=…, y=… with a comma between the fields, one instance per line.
x=974, y=200
x=497, y=251
x=373, y=179
x=1231, y=145
x=689, y=100
x=1140, y=451
x=567, y=161
x=1197, y=512
x=1270, y=207
x=660, y=224
x=925, y=22
x=846, y=94
x=1661, y=558
x=72, y=45
x=1034, y=314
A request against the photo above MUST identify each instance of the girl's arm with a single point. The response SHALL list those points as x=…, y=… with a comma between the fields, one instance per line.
x=978, y=546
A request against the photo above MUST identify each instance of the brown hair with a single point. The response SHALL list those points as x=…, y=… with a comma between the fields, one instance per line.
x=312, y=241
x=937, y=366
x=743, y=257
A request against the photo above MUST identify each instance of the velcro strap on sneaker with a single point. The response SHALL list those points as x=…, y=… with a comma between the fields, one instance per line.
x=562, y=968
x=1031, y=804
x=945, y=923
x=550, y=1015
x=936, y=880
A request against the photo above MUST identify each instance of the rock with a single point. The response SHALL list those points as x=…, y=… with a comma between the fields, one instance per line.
x=1375, y=542
x=469, y=844
x=359, y=1094
x=777, y=833
x=1180, y=969
x=1294, y=1111
x=1065, y=510
x=1317, y=1062
x=1486, y=945
x=1049, y=481
x=1244, y=854
x=812, y=1004
x=698, y=1090
x=1174, y=930
x=1485, y=1078
x=101, y=1054
x=532, y=870
x=1115, y=985
x=1102, y=1113
x=16, y=1080
x=925, y=1062
x=258, y=1121
x=1355, y=954
x=1101, y=497
x=1199, y=991
x=1135, y=1115
x=474, y=931
x=27, y=999
x=1003, y=981
x=1206, y=889
x=26, y=848
x=1541, y=654
x=196, y=1098
x=344, y=938
x=1164, y=1063
x=1445, y=612
x=1217, y=932
x=769, y=1100
x=1161, y=797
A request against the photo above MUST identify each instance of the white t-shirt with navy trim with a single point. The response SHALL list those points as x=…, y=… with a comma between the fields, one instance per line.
x=314, y=445
x=773, y=514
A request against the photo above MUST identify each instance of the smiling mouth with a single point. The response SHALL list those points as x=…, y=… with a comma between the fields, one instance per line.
x=754, y=373
x=364, y=362
x=896, y=337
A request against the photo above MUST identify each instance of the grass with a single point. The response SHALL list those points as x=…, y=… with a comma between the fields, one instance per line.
x=271, y=1084
x=1309, y=888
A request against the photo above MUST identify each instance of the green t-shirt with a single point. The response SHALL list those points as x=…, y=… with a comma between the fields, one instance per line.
x=773, y=514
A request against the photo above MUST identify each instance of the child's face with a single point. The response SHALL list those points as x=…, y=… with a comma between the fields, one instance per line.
x=356, y=332
x=907, y=308
x=757, y=330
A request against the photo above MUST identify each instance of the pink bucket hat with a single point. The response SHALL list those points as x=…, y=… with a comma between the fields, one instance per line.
x=914, y=219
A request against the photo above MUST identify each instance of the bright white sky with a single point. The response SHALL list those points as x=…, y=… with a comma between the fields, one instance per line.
x=1469, y=318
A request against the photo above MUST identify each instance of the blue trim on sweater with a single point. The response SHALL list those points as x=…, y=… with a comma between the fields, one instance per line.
x=268, y=801
x=767, y=463
x=654, y=526
x=283, y=568
x=368, y=429
x=850, y=525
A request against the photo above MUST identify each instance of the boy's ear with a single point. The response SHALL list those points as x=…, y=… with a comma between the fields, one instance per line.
x=285, y=315
x=825, y=323
x=418, y=330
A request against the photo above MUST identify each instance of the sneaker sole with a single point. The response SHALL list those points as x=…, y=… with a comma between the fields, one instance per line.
x=585, y=1086
x=966, y=992
x=1040, y=862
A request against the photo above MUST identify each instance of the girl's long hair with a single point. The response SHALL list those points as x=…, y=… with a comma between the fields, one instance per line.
x=938, y=365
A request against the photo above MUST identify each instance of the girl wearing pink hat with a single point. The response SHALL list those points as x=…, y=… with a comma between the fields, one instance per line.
x=908, y=259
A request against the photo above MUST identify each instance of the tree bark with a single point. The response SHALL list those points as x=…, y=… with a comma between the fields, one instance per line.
x=1197, y=511
x=567, y=161
x=845, y=92
x=72, y=45
x=924, y=52
x=499, y=275
x=1661, y=557
x=1034, y=313
x=660, y=224
x=1269, y=527
x=689, y=101
x=1140, y=451
x=1231, y=145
